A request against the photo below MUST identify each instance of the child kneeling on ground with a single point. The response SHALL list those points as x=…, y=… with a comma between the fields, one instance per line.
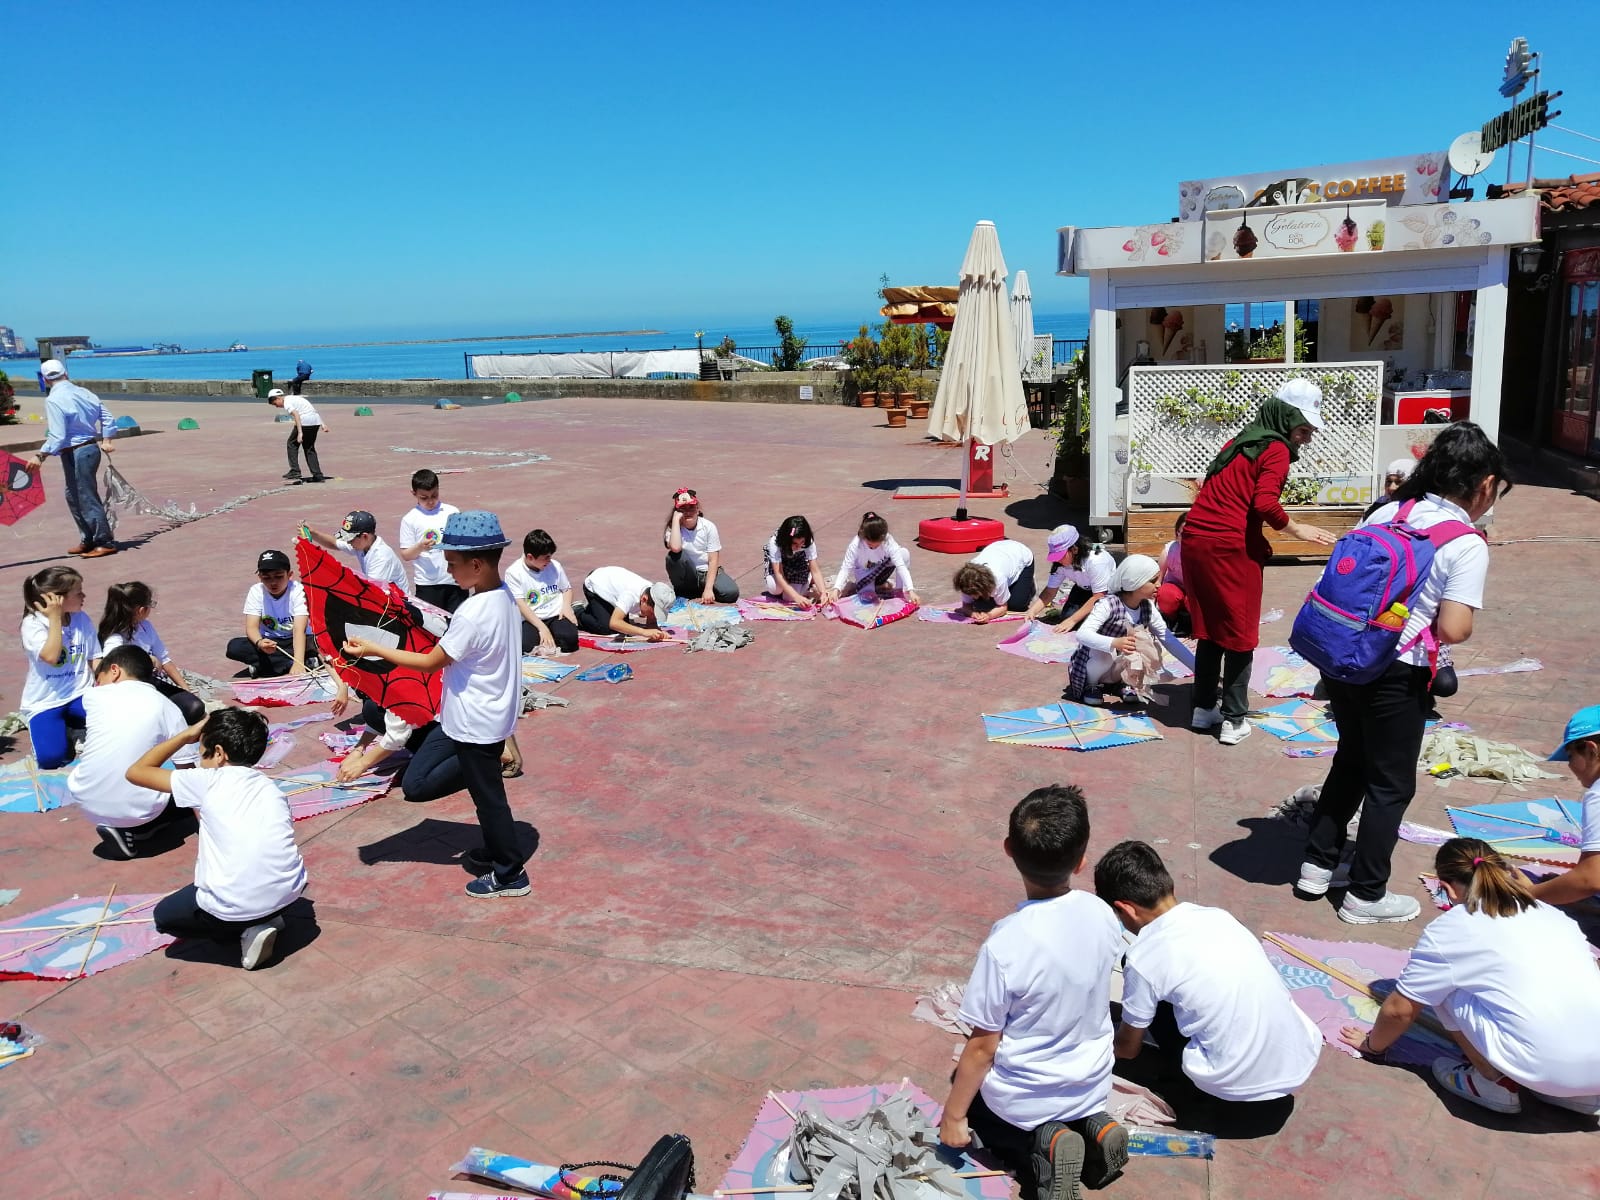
x=248, y=868
x=1033, y=1079
x=1230, y=1047
x=997, y=579
x=1107, y=634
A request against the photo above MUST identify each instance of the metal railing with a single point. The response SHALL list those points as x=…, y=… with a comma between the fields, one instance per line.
x=765, y=355
x=1065, y=349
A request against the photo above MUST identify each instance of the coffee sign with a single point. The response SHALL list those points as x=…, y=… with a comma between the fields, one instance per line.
x=1414, y=179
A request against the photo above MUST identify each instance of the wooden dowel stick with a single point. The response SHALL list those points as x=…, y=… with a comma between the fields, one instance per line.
x=67, y=930
x=1351, y=982
x=789, y=1112
x=95, y=936
x=1472, y=812
x=10, y=929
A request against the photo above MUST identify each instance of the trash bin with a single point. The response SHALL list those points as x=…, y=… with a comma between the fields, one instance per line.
x=261, y=383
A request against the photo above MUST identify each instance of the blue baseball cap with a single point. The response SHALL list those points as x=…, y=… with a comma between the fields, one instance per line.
x=1585, y=723
x=475, y=530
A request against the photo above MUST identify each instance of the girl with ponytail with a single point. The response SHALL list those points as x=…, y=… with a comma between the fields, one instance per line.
x=1512, y=982
x=129, y=607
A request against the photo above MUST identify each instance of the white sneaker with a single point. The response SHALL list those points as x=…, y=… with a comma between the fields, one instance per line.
x=1589, y=1106
x=1234, y=732
x=1206, y=718
x=1391, y=909
x=255, y=943
x=1314, y=881
x=1461, y=1078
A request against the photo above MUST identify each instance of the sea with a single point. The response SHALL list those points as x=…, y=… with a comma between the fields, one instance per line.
x=444, y=360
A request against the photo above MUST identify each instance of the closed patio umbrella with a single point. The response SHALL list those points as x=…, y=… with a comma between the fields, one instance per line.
x=1022, y=320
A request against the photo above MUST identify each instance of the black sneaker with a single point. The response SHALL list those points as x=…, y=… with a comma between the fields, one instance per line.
x=1058, y=1161
x=1105, y=1148
x=318, y=479
x=292, y=475
x=490, y=886
x=118, y=841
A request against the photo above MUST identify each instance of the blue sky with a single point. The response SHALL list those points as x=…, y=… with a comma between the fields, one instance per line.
x=247, y=171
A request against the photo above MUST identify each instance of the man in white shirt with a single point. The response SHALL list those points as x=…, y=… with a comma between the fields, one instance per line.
x=307, y=425
x=375, y=558
x=1230, y=1045
x=125, y=716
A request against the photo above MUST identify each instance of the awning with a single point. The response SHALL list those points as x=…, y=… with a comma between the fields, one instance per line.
x=920, y=305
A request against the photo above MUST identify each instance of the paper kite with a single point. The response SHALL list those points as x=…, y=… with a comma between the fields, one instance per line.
x=280, y=738
x=773, y=610
x=313, y=791
x=1041, y=643
x=1299, y=721
x=1069, y=726
x=949, y=616
x=343, y=605
x=21, y=490
x=284, y=691
x=1548, y=831
x=1279, y=671
x=869, y=614
x=544, y=1179
x=1343, y=983
x=25, y=788
x=79, y=937
x=542, y=670
x=615, y=644
x=694, y=616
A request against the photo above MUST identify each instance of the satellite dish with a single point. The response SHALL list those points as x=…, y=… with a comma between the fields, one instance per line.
x=1467, y=156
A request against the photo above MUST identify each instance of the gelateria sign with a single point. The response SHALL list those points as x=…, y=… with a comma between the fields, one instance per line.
x=1413, y=179
x=1295, y=231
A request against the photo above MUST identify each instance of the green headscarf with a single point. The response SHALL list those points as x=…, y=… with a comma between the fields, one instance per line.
x=1274, y=423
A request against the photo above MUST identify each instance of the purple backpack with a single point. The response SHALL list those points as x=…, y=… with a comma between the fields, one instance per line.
x=1370, y=569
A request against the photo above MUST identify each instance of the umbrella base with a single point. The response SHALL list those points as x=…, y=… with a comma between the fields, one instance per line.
x=946, y=535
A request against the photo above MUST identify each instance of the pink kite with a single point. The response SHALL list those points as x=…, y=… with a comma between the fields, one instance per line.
x=314, y=791
x=286, y=691
x=864, y=614
x=767, y=609
x=619, y=645
x=78, y=937
x=280, y=737
x=1041, y=643
x=948, y=616
x=1279, y=671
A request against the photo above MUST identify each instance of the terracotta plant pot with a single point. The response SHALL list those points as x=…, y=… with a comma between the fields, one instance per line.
x=905, y=399
x=868, y=399
x=897, y=416
x=919, y=410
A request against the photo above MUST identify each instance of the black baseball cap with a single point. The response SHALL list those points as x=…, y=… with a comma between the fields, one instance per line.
x=272, y=560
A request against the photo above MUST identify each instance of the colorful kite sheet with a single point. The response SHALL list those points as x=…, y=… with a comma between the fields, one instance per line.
x=542, y=670
x=1299, y=721
x=606, y=673
x=314, y=791
x=950, y=616
x=280, y=738
x=338, y=743
x=869, y=614
x=25, y=788
x=286, y=691
x=768, y=609
x=546, y=1179
x=1332, y=1004
x=1279, y=671
x=1548, y=830
x=1068, y=726
x=1041, y=643
x=615, y=644
x=695, y=616
x=78, y=937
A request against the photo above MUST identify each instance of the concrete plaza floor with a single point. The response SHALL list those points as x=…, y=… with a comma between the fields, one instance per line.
x=748, y=865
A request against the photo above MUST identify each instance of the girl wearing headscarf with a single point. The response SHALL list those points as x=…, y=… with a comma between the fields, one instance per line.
x=1107, y=632
x=1225, y=551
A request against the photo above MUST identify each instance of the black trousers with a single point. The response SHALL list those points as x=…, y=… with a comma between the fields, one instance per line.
x=181, y=916
x=191, y=706
x=1232, y=667
x=562, y=630
x=262, y=666
x=1380, y=735
x=691, y=584
x=298, y=385
x=442, y=595
x=1023, y=590
x=304, y=438
x=1009, y=1146
x=595, y=615
x=442, y=765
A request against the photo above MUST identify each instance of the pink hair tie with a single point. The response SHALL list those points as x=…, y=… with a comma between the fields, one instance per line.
x=1476, y=861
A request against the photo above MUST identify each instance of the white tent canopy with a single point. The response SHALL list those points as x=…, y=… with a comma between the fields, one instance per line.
x=599, y=364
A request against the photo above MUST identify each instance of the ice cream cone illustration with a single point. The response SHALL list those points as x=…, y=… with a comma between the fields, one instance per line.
x=1346, y=236
x=1244, y=240
x=1171, y=327
x=1377, y=315
x=1375, y=236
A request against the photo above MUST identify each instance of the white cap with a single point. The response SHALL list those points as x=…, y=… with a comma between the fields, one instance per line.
x=662, y=596
x=274, y=392
x=1307, y=397
x=1402, y=467
x=51, y=368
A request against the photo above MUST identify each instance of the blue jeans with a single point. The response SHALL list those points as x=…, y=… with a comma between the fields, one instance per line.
x=81, y=465
x=52, y=745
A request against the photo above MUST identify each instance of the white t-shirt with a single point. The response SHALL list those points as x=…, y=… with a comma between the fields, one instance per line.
x=862, y=561
x=299, y=404
x=1106, y=607
x=248, y=865
x=1457, y=573
x=52, y=685
x=774, y=560
x=1247, y=1039
x=620, y=588
x=415, y=527
x=540, y=590
x=277, y=613
x=1043, y=981
x=1097, y=574
x=1591, y=821
x=1008, y=559
x=1523, y=989
x=380, y=562
x=145, y=637
x=125, y=720
x=483, y=681
x=699, y=543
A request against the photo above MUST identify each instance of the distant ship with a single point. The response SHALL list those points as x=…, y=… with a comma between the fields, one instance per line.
x=113, y=352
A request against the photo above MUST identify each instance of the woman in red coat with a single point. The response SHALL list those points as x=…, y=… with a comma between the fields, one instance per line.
x=1224, y=551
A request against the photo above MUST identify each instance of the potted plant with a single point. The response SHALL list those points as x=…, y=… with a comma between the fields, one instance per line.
x=922, y=398
x=862, y=356
x=895, y=382
x=1070, y=478
x=8, y=401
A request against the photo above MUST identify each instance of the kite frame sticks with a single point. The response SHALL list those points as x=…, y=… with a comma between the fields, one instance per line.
x=69, y=930
x=1350, y=981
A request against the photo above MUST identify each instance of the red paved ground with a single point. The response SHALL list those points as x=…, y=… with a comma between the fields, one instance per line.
x=749, y=864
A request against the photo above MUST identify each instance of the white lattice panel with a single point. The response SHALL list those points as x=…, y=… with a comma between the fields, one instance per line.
x=1180, y=416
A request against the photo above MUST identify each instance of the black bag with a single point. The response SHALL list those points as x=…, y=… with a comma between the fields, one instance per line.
x=666, y=1173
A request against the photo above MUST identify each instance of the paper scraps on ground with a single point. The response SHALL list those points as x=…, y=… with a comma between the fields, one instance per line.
x=78, y=937
x=545, y=1179
x=1068, y=726
x=615, y=644
x=315, y=790
x=606, y=673
x=12, y=723
x=543, y=670
x=285, y=691
x=7, y=895
x=869, y=614
x=1423, y=835
x=1298, y=808
x=1480, y=758
x=122, y=496
x=536, y=701
x=1299, y=721
x=25, y=788
x=1511, y=668
x=280, y=738
x=950, y=616
x=339, y=743
x=1279, y=671
x=1271, y=615
x=773, y=610
x=1040, y=643
x=12, y=1051
x=1547, y=831
x=1331, y=982
x=724, y=638
x=693, y=616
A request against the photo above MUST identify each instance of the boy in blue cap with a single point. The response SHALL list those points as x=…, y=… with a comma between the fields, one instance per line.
x=1580, y=750
x=481, y=657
